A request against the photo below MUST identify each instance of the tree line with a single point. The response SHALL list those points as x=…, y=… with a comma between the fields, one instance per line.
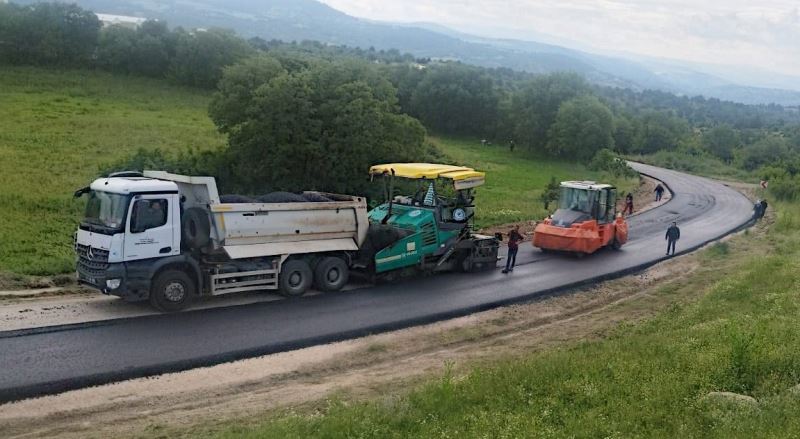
x=297, y=113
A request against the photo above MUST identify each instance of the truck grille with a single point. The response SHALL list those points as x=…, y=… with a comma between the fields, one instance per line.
x=92, y=262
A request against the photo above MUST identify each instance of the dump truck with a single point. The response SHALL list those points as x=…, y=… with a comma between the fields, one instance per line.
x=586, y=220
x=171, y=238
x=168, y=238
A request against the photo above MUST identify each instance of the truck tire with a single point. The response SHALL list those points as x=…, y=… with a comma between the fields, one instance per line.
x=331, y=274
x=615, y=244
x=195, y=228
x=295, y=278
x=172, y=290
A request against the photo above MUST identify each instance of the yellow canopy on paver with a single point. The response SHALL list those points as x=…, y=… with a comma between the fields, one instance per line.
x=463, y=177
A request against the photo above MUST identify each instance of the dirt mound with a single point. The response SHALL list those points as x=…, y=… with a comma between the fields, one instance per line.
x=233, y=198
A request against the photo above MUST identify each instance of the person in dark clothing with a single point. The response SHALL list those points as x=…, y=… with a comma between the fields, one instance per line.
x=673, y=235
x=757, y=210
x=659, y=192
x=514, y=238
x=628, y=204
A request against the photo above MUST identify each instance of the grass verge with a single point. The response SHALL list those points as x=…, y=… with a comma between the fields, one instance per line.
x=732, y=327
x=699, y=165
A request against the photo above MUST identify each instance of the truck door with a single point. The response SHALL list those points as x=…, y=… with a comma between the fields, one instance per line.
x=151, y=231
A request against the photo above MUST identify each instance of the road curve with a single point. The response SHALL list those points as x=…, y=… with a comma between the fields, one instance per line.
x=52, y=360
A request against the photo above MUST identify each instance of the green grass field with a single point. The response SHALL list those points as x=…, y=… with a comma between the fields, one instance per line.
x=515, y=181
x=56, y=130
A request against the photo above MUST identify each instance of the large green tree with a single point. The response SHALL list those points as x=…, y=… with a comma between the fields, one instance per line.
x=534, y=107
x=769, y=150
x=319, y=128
x=115, y=48
x=583, y=126
x=721, y=141
x=201, y=55
x=55, y=34
x=660, y=130
x=456, y=99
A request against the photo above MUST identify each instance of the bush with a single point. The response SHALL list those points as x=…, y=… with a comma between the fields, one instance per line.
x=188, y=162
x=550, y=193
x=606, y=160
x=785, y=188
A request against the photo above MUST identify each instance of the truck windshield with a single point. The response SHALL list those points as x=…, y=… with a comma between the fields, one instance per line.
x=576, y=199
x=106, y=211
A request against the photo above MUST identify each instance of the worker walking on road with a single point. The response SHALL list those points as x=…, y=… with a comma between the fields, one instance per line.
x=628, y=204
x=514, y=238
x=659, y=192
x=673, y=235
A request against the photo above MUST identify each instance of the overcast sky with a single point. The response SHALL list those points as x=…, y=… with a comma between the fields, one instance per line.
x=756, y=33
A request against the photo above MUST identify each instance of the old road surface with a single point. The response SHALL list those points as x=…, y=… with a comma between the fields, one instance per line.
x=37, y=361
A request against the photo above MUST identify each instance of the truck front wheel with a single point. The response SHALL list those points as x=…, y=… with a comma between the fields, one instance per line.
x=295, y=277
x=331, y=274
x=173, y=290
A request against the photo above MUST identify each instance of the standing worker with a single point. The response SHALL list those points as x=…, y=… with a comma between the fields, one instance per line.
x=514, y=238
x=659, y=192
x=757, y=215
x=673, y=235
x=511, y=145
x=628, y=204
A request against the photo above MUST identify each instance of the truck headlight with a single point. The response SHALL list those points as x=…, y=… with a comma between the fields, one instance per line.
x=113, y=284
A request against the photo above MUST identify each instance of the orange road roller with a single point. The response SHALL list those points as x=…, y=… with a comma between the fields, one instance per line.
x=586, y=220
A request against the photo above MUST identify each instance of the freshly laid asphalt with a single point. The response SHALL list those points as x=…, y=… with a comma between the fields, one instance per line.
x=51, y=360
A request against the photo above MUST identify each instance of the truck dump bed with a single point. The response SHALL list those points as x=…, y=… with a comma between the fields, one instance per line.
x=247, y=230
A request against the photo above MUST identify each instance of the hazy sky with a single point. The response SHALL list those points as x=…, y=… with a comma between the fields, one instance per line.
x=757, y=33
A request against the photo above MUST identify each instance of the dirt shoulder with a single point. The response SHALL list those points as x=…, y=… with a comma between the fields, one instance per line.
x=243, y=392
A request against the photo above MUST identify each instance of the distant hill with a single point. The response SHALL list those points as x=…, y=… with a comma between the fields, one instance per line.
x=297, y=20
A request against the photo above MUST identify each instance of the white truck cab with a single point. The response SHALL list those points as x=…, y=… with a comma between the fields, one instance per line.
x=127, y=218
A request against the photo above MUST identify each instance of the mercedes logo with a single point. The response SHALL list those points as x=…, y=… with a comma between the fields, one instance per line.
x=89, y=254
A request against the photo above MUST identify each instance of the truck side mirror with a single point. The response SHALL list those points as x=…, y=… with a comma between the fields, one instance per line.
x=79, y=193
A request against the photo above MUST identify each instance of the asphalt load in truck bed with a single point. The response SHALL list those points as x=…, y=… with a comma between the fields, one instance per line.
x=50, y=360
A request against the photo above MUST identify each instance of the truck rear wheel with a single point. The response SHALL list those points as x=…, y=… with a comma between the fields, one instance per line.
x=295, y=278
x=172, y=290
x=331, y=274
